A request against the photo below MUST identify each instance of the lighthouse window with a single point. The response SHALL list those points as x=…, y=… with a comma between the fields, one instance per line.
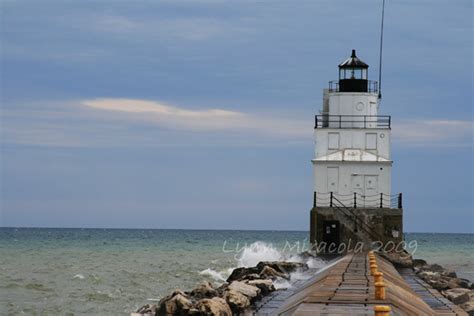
x=371, y=141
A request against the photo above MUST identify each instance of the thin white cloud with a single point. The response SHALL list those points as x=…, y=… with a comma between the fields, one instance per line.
x=207, y=119
x=110, y=122
x=434, y=132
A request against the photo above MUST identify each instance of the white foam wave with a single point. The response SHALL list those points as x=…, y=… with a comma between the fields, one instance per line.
x=216, y=275
x=281, y=284
x=256, y=252
x=78, y=276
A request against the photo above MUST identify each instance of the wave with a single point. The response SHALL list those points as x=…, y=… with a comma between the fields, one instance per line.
x=259, y=251
x=215, y=275
x=256, y=252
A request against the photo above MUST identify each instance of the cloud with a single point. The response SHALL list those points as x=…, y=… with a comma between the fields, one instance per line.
x=206, y=119
x=428, y=132
x=115, y=122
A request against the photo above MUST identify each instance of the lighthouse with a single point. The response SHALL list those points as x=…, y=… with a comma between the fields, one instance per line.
x=352, y=164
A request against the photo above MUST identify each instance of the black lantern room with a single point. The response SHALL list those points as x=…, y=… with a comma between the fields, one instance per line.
x=353, y=75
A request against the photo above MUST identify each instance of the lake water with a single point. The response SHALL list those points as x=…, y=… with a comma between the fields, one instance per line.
x=115, y=271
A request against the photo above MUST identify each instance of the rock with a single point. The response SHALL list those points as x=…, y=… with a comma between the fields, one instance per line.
x=270, y=273
x=458, y=283
x=429, y=276
x=468, y=307
x=399, y=259
x=434, y=267
x=147, y=309
x=439, y=285
x=457, y=296
x=305, y=255
x=266, y=286
x=204, y=290
x=214, y=307
x=175, y=304
x=251, y=276
x=252, y=292
x=449, y=273
x=236, y=300
x=240, y=273
x=418, y=262
x=282, y=266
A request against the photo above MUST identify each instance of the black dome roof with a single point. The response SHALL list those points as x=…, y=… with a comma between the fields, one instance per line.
x=353, y=61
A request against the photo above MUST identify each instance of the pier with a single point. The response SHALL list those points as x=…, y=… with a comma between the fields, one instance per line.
x=353, y=285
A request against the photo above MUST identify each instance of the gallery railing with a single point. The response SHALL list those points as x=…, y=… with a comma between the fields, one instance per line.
x=352, y=121
x=372, y=86
x=357, y=200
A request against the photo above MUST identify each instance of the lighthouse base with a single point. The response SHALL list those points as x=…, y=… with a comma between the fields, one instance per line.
x=336, y=229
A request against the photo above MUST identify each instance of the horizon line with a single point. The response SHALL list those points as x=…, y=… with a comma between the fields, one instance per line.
x=206, y=229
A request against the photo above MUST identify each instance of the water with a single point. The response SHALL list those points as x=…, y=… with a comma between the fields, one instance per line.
x=114, y=271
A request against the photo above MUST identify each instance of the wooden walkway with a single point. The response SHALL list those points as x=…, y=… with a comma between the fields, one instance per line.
x=346, y=287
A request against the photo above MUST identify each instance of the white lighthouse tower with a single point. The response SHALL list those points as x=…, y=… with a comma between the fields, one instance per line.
x=352, y=162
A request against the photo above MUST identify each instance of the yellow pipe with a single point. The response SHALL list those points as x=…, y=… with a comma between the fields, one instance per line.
x=373, y=268
x=378, y=276
x=382, y=310
x=379, y=290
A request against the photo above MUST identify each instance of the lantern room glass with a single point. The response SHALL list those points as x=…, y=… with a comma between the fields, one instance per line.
x=353, y=73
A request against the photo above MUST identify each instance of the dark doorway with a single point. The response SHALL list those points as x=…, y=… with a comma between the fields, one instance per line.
x=331, y=235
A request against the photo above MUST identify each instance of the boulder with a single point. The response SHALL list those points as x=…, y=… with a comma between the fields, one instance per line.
x=399, y=259
x=418, y=262
x=266, y=286
x=251, y=276
x=449, y=273
x=439, y=284
x=468, y=307
x=306, y=255
x=457, y=296
x=282, y=269
x=458, y=283
x=148, y=309
x=215, y=306
x=240, y=273
x=270, y=273
x=236, y=300
x=175, y=304
x=434, y=268
x=204, y=290
x=282, y=266
x=252, y=292
x=429, y=276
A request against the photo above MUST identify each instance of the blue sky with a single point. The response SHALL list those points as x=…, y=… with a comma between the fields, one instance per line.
x=199, y=114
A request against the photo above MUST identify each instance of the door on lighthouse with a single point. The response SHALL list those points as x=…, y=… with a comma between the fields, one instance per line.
x=357, y=185
x=366, y=188
x=333, y=179
x=371, y=190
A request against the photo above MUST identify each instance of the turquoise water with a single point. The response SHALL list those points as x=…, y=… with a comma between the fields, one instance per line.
x=114, y=271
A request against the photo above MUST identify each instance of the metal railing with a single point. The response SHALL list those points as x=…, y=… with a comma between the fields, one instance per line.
x=357, y=200
x=372, y=86
x=359, y=223
x=352, y=121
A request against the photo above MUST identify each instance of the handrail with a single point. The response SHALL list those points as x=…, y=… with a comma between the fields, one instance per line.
x=342, y=208
x=352, y=121
x=355, y=199
x=372, y=86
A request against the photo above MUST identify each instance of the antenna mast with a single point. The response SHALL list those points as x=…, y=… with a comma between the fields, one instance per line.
x=380, y=60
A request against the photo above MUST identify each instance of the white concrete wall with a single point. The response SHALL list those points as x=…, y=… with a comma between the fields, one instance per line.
x=352, y=174
x=352, y=103
x=352, y=139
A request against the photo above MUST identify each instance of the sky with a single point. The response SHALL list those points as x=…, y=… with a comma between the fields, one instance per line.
x=199, y=114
